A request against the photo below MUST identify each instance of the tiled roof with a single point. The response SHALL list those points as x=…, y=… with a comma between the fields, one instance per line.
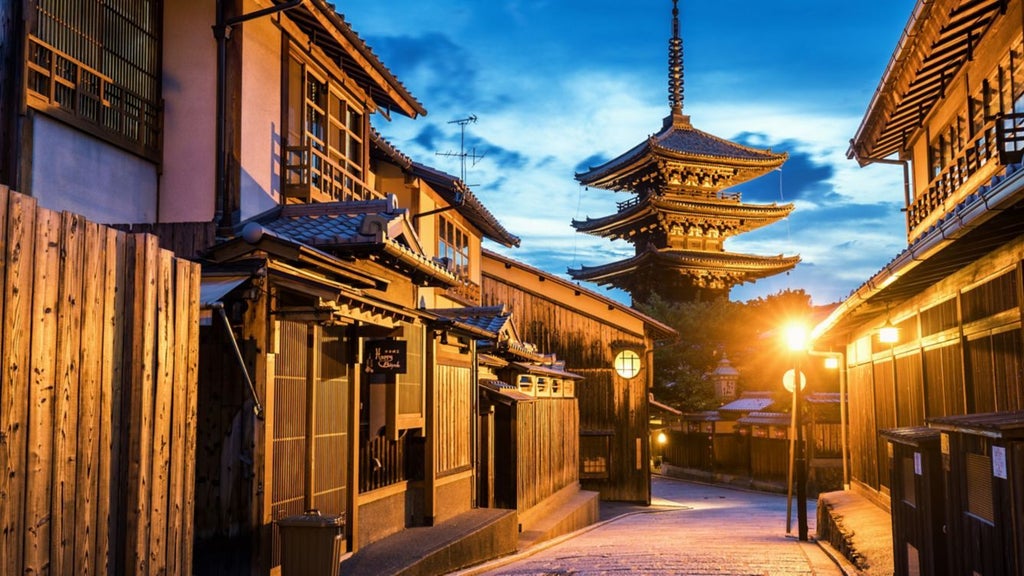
x=458, y=194
x=489, y=319
x=359, y=227
x=680, y=140
x=748, y=404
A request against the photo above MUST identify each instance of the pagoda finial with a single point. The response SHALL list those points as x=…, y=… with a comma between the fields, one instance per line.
x=675, y=64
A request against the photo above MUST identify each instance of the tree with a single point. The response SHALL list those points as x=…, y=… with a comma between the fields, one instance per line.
x=747, y=332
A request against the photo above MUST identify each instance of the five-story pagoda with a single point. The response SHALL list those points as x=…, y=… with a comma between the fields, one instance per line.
x=681, y=214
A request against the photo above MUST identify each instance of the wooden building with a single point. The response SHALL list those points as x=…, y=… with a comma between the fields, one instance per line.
x=607, y=343
x=946, y=111
x=681, y=212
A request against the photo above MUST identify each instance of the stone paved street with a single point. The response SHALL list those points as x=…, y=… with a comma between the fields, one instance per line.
x=690, y=529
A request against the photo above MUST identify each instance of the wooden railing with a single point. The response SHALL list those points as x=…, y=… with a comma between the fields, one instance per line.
x=381, y=463
x=467, y=291
x=311, y=176
x=952, y=177
x=59, y=84
x=720, y=195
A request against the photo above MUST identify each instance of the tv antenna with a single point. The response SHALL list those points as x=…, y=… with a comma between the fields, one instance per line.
x=462, y=154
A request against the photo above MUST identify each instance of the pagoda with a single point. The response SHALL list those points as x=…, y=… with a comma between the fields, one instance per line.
x=681, y=214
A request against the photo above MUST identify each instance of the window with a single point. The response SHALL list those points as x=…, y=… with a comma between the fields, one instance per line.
x=453, y=244
x=308, y=455
x=594, y=455
x=326, y=135
x=96, y=64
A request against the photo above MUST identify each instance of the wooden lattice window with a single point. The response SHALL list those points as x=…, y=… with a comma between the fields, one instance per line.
x=310, y=422
x=327, y=126
x=96, y=64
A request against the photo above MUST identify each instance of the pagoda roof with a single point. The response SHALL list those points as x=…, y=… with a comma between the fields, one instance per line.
x=646, y=212
x=679, y=142
x=742, y=267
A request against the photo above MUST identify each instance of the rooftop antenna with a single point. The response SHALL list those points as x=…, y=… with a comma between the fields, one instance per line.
x=462, y=154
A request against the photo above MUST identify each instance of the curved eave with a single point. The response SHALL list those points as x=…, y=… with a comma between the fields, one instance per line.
x=646, y=213
x=685, y=145
x=938, y=40
x=753, y=215
x=329, y=30
x=749, y=265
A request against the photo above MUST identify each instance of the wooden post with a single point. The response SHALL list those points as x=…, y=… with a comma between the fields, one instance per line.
x=355, y=383
x=430, y=447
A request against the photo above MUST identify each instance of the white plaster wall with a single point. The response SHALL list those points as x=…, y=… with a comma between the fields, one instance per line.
x=76, y=172
x=261, y=132
x=190, y=112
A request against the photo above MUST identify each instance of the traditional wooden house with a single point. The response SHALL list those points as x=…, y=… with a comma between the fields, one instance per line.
x=946, y=111
x=326, y=252
x=607, y=343
x=681, y=213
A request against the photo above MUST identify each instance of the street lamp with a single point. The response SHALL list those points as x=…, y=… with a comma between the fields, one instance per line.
x=796, y=341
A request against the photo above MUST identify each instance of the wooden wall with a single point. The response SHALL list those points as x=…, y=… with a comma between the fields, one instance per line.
x=547, y=434
x=97, y=397
x=960, y=352
x=587, y=341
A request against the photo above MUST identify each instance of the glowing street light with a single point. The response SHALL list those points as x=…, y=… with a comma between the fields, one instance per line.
x=796, y=341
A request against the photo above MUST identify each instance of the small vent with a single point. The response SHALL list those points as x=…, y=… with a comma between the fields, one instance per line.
x=979, y=487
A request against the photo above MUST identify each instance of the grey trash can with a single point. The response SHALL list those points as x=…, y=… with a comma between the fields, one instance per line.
x=312, y=544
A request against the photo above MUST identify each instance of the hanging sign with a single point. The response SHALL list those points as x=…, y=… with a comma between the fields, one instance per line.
x=385, y=356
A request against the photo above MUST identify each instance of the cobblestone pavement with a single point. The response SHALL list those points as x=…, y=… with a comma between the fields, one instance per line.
x=689, y=529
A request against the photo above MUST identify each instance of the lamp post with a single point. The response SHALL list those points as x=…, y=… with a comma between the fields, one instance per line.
x=796, y=340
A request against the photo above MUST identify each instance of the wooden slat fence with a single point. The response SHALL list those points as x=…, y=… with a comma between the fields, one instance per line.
x=98, y=365
x=547, y=432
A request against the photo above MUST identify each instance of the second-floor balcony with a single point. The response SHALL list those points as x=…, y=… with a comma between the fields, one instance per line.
x=1001, y=143
x=310, y=175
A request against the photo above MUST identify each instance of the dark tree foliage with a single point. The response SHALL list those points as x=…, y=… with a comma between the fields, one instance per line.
x=748, y=333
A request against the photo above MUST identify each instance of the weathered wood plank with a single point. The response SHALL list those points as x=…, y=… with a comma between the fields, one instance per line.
x=142, y=252
x=67, y=385
x=109, y=541
x=42, y=363
x=88, y=492
x=162, y=406
x=19, y=257
x=179, y=399
x=192, y=394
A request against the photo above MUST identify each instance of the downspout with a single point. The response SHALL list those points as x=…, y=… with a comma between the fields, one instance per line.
x=864, y=160
x=222, y=32
x=258, y=407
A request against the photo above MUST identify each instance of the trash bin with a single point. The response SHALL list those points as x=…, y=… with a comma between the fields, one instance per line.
x=917, y=501
x=983, y=457
x=312, y=544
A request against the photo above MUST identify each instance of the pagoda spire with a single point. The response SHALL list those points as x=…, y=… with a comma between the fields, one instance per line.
x=675, y=63
x=675, y=74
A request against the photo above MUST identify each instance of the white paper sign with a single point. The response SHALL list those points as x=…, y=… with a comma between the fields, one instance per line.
x=917, y=464
x=999, y=462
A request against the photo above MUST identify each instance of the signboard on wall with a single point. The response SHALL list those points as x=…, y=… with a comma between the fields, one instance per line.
x=386, y=356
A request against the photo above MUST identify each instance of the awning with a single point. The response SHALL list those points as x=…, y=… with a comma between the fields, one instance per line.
x=213, y=289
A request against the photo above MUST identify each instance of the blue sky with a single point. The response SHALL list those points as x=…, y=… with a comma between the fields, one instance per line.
x=560, y=85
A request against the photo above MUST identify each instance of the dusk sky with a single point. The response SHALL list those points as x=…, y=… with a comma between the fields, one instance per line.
x=561, y=85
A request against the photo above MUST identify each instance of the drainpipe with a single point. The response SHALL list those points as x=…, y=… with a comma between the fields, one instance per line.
x=222, y=32
x=864, y=160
